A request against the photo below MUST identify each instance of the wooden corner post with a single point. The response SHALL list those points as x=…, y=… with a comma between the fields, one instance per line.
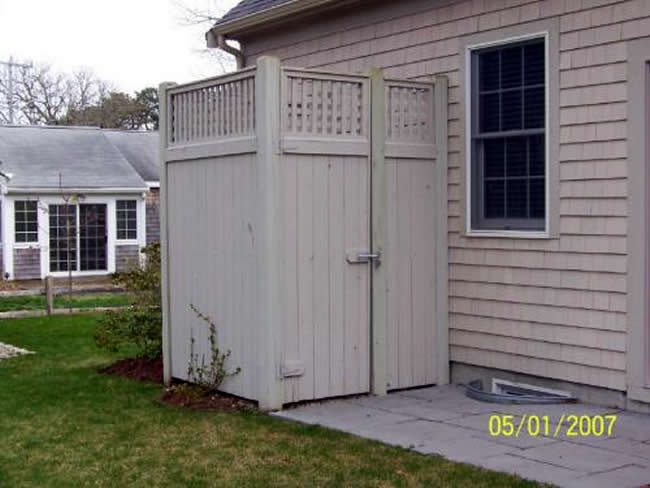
x=163, y=132
x=441, y=121
x=269, y=283
x=378, y=347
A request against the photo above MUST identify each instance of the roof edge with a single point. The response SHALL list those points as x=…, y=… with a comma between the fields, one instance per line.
x=272, y=14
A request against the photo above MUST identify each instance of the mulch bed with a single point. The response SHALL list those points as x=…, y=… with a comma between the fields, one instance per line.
x=137, y=369
x=178, y=395
x=188, y=396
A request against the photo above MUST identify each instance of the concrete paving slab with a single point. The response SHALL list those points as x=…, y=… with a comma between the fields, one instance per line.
x=414, y=434
x=625, y=477
x=578, y=457
x=531, y=470
x=342, y=416
x=520, y=442
x=466, y=449
x=426, y=411
x=445, y=422
x=635, y=426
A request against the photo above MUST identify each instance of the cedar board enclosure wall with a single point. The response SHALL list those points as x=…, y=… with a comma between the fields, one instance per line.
x=305, y=212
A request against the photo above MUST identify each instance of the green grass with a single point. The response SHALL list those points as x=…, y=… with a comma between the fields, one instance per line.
x=91, y=300
x=62, y=424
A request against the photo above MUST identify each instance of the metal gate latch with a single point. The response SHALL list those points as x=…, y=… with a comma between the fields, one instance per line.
x=360, y=256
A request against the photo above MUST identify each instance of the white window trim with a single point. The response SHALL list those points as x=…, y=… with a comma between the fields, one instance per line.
x=137, y=240
x=25, y=244
x=469, y=49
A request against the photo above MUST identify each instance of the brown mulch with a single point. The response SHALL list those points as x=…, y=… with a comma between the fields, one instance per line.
x=190, y=396
x=178, y=395
x=137, y=369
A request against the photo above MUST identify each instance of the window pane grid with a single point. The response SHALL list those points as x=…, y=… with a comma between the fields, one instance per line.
x=63, y=237
x=127, y=221
x=26, y=221
x=509, y=138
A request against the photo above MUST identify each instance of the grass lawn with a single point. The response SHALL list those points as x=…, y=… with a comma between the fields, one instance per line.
x=90, y=300
x=63, y=424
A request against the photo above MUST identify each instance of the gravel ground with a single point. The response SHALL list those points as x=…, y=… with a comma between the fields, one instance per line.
x=8, y=351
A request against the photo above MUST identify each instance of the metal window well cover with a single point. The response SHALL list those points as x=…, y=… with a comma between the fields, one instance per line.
x=513, y=394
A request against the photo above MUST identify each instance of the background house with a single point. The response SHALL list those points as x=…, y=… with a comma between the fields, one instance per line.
x=89, y=191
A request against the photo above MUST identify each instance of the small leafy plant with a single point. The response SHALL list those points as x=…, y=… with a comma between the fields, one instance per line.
x=139, y=325
x=209, y=376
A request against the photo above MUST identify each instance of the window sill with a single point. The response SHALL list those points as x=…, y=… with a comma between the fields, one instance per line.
x=127, y=242
x=510, y=234
x=27, y=245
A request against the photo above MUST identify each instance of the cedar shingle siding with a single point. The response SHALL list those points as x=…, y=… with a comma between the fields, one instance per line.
x=126, y=257
x=27, y=264
x=153, y=215
x=549, y=307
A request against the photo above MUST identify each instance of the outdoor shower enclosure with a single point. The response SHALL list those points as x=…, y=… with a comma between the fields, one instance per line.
x=306, y=213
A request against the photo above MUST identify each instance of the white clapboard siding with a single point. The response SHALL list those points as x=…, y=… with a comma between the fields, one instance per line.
x=420, y=39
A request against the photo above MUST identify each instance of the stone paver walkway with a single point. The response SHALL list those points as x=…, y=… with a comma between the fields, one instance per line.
x=445, y=422
x=8, y=351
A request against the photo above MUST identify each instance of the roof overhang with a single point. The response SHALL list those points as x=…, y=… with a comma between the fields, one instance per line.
x=265, y=18
x=65, y=191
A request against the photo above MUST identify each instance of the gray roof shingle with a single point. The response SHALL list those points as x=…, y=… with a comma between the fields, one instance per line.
x=140, y=149
x=84, y=157
x=249, y=7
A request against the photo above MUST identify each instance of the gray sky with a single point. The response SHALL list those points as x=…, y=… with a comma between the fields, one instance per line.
x=130, y=43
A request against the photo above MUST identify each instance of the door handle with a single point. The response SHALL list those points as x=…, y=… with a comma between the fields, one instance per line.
x=361, y=256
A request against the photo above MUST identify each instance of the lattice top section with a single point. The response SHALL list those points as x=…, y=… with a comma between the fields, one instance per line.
x=409, y=112
x=213, y=109
x=324, y=105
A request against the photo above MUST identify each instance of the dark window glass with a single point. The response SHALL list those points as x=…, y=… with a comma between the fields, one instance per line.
x=490, y=109
x=494, y=158
x=494, y=198
x=63, y=237
x=508, y=166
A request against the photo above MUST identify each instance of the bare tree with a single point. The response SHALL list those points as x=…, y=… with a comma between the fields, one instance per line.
x=206, y=15
x=42, y=95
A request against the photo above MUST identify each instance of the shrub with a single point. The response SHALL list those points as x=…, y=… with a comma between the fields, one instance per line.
x=208, y=376
x=139, y=325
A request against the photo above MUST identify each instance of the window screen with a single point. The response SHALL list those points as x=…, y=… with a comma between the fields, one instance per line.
x=508, y=137
x=26, y=221
x=127, y=220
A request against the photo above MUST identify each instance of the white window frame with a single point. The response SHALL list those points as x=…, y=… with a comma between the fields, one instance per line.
x=469, y=51
x=25, y=244
x=137, y=222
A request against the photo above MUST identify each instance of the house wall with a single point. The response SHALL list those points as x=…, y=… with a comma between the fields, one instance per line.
x=553, y=307
x=126, y=257
x=153, y=215
x=27, y=263
x=31, y=260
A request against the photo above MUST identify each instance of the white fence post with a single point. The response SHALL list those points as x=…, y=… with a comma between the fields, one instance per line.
x=164, y=127
x=270, y=283
x=378, y=372
x=441, y=121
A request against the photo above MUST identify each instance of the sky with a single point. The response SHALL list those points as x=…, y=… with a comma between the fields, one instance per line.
x=130, y=43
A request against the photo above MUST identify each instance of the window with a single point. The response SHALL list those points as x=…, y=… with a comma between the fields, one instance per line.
x=63, y=237
x=26, y=221
x=508, y=137
x=127, y=220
